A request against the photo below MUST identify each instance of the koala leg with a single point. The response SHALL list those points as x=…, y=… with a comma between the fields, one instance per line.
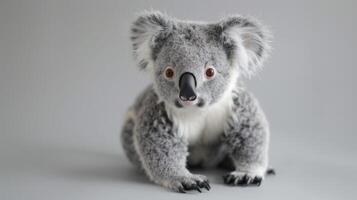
x=163, y=152
x=247, y=139
x=127, y=140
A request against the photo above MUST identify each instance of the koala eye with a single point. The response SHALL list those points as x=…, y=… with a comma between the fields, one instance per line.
x=169, y=73
x=210, y=72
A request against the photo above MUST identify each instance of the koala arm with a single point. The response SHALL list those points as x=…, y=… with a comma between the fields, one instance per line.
x=162, y=152
x=247, y=138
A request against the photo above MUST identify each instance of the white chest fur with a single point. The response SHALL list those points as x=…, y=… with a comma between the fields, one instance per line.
x=203, y=125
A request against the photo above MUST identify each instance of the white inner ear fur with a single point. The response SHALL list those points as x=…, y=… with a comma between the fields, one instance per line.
x=248, y=42
x=144, y=38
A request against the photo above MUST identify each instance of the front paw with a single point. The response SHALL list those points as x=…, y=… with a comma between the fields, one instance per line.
x=183, y=184
x=243, y=179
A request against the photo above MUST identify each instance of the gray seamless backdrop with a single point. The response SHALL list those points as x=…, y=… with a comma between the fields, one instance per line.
x=67, y=77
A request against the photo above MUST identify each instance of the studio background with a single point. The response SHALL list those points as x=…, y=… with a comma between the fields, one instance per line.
x=67, y=77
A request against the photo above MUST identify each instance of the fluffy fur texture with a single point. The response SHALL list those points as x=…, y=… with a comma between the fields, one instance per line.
x=226, y=127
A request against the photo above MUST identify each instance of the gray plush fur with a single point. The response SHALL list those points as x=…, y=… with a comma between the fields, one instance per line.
x=226, y=126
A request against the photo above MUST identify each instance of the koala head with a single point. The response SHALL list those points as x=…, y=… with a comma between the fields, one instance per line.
x=195, y=63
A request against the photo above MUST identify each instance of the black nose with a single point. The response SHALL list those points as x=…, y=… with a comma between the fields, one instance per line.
x=187, y=86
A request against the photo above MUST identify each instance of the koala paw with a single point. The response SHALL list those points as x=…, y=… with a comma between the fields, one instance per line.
x=242, y=179
x=183, y=184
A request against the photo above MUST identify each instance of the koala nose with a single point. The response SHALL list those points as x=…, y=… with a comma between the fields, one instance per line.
x=187, y=86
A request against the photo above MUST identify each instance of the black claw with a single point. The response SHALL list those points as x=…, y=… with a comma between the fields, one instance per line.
x=271, y=171
x=237, y=180
x=228, y=179
x=204, y=184
x=207, y=186
x=257, y=181
x=232, y=179
x=197, y=186
x=246, y=179
x=190, y=187
x=243, y=181
x=249, y=180
x=181, y=190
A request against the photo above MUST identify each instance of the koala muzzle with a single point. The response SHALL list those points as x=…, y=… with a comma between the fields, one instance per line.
x=187, y=86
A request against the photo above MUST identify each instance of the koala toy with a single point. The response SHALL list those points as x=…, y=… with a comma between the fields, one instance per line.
x=197, y=113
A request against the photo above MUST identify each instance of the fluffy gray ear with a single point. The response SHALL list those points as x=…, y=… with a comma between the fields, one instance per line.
x=246, y=43
x=148, y=33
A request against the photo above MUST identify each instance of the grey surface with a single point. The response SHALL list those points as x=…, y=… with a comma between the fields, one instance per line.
x=67, y=77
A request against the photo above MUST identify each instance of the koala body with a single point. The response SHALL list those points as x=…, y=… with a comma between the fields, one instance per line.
x=197, y=112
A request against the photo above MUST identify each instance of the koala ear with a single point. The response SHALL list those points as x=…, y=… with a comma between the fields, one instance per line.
x=246, y=43
x=148, y=33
